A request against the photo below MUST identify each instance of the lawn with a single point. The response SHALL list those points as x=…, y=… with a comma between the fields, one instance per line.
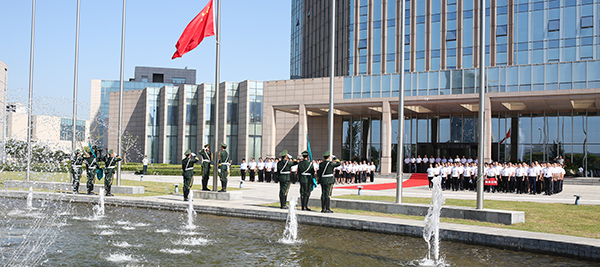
x=556, y=218
x=150, y=188
x=565, y=219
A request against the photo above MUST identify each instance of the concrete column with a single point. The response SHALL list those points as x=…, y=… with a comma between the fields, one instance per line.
x=488, y=129
x=386, y=138
x=162, y=125
x=181, y=110
x=272, y=130
x=302, y=129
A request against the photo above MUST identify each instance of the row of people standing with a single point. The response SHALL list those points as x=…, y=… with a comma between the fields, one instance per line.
x=420, y=165
x=205, y=158
x=93, y=170
x=506, y=177
x=355, y=172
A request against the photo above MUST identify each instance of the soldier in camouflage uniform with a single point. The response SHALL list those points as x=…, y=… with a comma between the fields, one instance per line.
x=223, y=167
x=109, y=166
x=306, y=172
x=76, y=164
x=205, y=158
x=283, y=169
x=325, y=174
x=187, y=167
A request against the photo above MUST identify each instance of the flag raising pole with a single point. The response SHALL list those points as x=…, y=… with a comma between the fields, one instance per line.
x=481, y=148
x=74, y=142
x=331, y=75
x=400, y=177
x=120, y=133
x=29, y=119
x=216, y=99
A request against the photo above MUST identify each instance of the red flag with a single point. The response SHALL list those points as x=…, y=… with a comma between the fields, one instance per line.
x=506, y=137
x=201, y=26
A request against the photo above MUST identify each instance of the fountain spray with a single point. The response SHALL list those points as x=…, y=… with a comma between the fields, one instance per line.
x=432, y=222
x=290, y=234
x=190, y=210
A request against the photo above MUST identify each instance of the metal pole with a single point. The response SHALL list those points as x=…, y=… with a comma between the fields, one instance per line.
x=216, y=99
x=331, y=78
x=74, y=143
x=29, y=105
x=401, y=107
x=482, y=142
x=120, y=130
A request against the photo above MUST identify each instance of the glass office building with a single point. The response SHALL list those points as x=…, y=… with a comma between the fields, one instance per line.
x=542, y=75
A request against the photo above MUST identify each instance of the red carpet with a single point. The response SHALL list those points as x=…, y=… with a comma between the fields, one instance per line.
x=416, y=179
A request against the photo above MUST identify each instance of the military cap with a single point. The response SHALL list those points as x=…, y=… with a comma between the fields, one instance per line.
x=283, y=153
x=187, y=152
x=305, y=153
x=110, y=152
x=223, y=145
x=326, y=154
x=77, y=151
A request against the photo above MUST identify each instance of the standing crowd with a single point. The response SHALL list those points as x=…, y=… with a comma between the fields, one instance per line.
x=507, y=177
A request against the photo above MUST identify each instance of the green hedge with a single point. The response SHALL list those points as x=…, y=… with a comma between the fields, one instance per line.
x=171, y=169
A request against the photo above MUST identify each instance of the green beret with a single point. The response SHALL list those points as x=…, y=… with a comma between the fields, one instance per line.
x=283, y=153
x=187, y=152
x=207, y=145
x=110, y=152
x=305, y=153
x=223, y=145
x=326, y=154
x=77, y=151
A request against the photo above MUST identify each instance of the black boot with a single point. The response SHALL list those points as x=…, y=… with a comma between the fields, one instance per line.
x=108, y=194
x=223, y=186
x=323, y=208
x=185, y=194
x=75, y=187
x=302, y=202
x=306, y=203
x=327, y=202
x=282, y=201
x=205, y=185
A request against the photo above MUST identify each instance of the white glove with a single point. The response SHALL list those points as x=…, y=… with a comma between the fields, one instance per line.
x=193, y=154
x=333, y=156
x=289, y=156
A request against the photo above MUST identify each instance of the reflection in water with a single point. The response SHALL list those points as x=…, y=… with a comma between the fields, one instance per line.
x=222, y=241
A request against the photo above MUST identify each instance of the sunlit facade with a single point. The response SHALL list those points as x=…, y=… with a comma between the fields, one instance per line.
x=542, y=79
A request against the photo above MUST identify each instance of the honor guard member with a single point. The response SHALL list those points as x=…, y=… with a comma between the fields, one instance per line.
x=223, y=167
x=91, y=166
x=284, y=167
x=205, y=158
x=76, y=163
x=187, y=167
x=325, y=174
x=109, y=166
x=306, y=171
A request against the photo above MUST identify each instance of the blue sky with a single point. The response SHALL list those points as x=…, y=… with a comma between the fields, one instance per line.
x=254, y=44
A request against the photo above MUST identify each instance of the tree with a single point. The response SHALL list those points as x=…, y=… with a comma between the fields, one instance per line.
x=128, y=141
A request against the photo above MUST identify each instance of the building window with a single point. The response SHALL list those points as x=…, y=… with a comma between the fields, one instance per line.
x=553, y=25
x=501, y=30
x=176, y=80
x=144, y=78
x=362, y=44
x=587, y=22
x=451, y=36
x=158, y=78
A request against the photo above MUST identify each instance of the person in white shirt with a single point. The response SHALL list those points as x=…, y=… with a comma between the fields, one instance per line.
x=145, y=165
x=532, y=175
x=456, y=172
x=406, y=164
x=425, y=164
x=467, y=182
x=243, y=169
x=430, y=174
x=372, y=169
x=490, y=173
x=438, y=160
x=261, y=170
x=252, y=169
x=470, y=160
x=413, y=165
x=519, y=174
x=457, y=159
x=547, y=172
x=463, y=160
x=432, y=160
x=268, y=170
x=444, y=160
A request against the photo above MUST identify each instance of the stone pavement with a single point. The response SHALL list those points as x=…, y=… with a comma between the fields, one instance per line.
x=262, y=193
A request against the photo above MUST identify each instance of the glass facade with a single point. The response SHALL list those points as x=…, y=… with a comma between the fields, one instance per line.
x=191, y=117
x=172, y=116
x=255, y=103
x=66, y=130
x=153, y=124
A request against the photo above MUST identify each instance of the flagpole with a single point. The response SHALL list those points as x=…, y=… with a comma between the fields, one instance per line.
x=400, y=149
x=216, y=99
x=482, y=143
x=120, y=130
x=74, y=143
x=29, y=106
x=331, y=76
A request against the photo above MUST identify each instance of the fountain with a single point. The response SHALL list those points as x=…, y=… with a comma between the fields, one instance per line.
x=290, y=234
x=190, y=211
x=30, y=199
x=98, y=209
x=432, y=225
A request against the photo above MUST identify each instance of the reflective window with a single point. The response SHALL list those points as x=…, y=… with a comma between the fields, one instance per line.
x=553, y=25
x=587, y=22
